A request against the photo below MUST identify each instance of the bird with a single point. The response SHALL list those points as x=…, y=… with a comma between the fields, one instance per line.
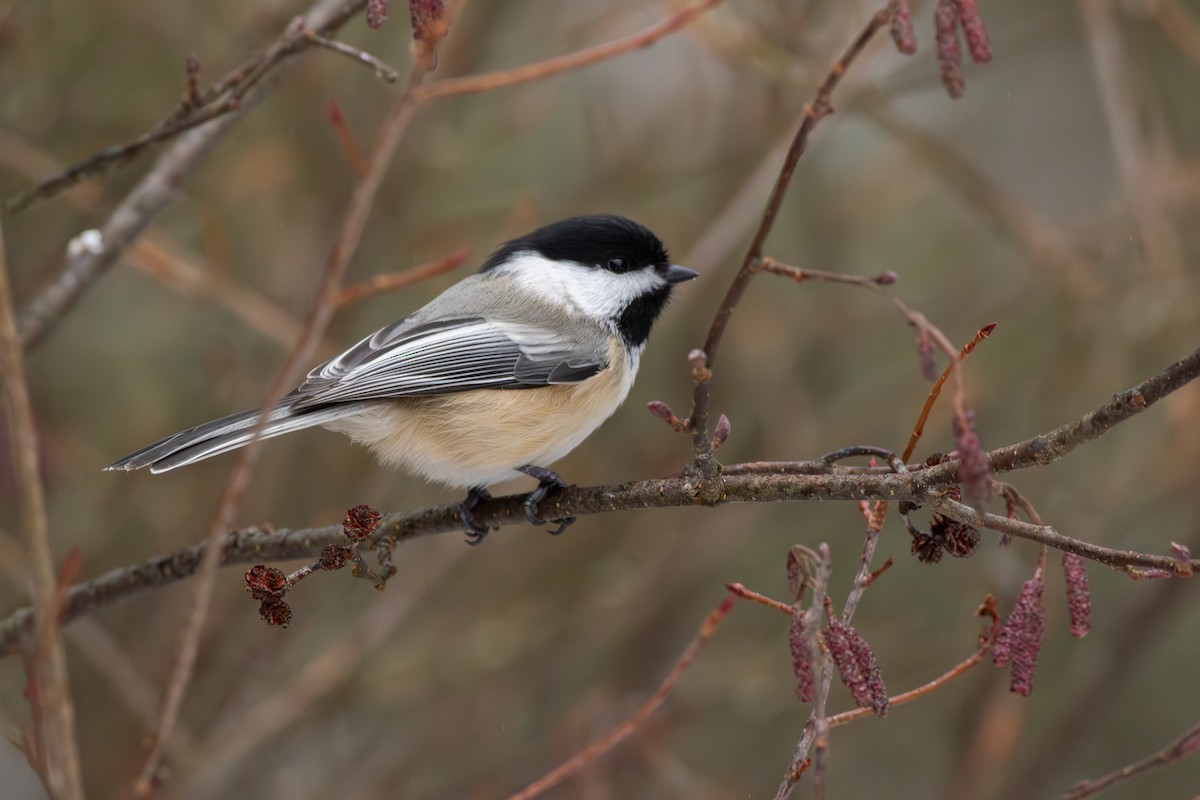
x=502, y=374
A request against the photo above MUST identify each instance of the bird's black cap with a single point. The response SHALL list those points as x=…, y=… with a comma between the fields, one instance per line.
x=592, y=240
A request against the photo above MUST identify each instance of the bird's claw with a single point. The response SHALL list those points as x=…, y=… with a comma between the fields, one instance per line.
x=475, y=531
x=547, y=480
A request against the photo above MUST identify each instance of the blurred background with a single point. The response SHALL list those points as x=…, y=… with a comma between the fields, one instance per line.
x=1060, y=197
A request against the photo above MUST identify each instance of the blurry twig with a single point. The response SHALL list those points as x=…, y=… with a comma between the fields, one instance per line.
x=346, y=139
x=1008, y=215
x=1126, y=112
x=157, y=258
x=48, y=683
x=158, y=255
x=362, y=56
x=635, y=720
x=198, y=107
x=753, y=596
x=85, y=264
x=1181, y=748
x=236, y=738
x=390, y=282
x=159, y=187
x=740, y=483
x=564, y=63
x=320, y=313
x=816, y=110
x=1177, y=24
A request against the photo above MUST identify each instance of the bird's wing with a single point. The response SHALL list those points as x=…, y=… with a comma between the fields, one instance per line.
x=448, y=355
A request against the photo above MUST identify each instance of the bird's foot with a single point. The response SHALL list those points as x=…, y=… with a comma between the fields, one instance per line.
x=475, y=531
x=547, y=480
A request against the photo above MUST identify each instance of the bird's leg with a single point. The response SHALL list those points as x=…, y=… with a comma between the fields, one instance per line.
x=466, y=512
x=547, y=480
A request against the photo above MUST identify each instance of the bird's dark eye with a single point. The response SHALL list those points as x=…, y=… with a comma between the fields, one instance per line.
x=618, y=265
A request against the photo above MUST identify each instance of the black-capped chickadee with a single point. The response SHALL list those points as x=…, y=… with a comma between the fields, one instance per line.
x=505, y=372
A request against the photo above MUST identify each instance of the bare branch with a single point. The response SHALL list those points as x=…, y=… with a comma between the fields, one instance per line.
x=1125, y=560
x=1181, y=748
x=820, y=107
x=227, y=97
x=50, y=693
x=380, y=284
x=571, y=61
x=321, y=312
x=159, y=187
x=741, y=483
x=635, y=720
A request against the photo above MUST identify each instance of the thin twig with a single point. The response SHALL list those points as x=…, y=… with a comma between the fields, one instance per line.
x=227, y=97
x=159, y=187
x=316, y=322
x=571, y=61
x=820, y=107
x=959, y=669
x=390, y=282
x=238, y=737
x=635, y=720
x=57, y=749
x=1010, y=216
x=924, y=327
x=157, y=254
x=1125, y=560
x=362, y=56
x=346, y=139
x=1181, y=748
x=753, y=596
x=936, y=389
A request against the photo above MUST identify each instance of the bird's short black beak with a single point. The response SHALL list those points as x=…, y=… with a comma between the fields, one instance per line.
x=678, y=274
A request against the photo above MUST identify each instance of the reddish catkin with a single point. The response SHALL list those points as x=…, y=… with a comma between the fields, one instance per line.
x=973, y=470
x=857, y=667
x=801, y=665
x=377, y=11
x=929, y=368
x=1020, y=639
x=973, y=31
x=1079, y=596
x=876, y=690
x=902, y=30
x=945, y=23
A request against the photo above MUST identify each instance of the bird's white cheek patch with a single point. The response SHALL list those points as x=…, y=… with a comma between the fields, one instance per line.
x=592, y=292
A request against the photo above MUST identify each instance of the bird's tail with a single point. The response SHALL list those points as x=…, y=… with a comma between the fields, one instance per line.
x=222, y=435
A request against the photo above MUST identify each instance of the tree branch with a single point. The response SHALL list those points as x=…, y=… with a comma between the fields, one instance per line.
x=741, y=483
x=1184, y=746
x=227, y=97
x=820, y=107
x=48, y=689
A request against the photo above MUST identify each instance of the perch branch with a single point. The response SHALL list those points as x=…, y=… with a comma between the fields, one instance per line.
x=740, y=483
